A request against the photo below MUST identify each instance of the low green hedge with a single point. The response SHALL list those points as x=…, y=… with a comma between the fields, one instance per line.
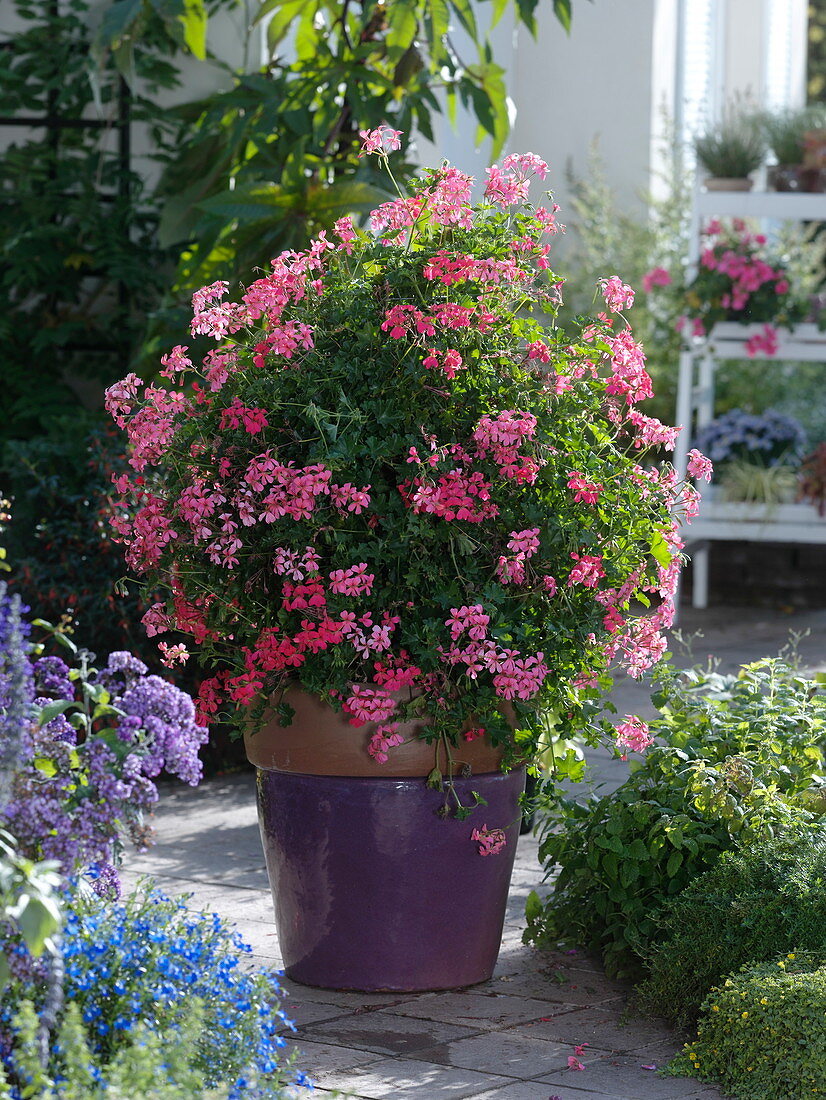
x=762, y=1034
x=755, y=904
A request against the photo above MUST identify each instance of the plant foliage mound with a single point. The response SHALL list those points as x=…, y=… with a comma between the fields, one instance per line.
x=736, y=755
x=757, y=903
x=388, y=473
x=761, y=1034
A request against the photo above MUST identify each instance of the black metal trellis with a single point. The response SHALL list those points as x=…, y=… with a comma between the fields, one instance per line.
x=55, y=124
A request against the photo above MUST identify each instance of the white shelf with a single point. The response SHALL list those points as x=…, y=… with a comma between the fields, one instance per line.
x=777, y=205
x=804, y=343
x=726, y=521
x=721, y=520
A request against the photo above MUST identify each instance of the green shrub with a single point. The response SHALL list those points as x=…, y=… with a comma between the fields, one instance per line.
x=737, y=755
x=58, y=538
x=754, y=905
x=761, y=1034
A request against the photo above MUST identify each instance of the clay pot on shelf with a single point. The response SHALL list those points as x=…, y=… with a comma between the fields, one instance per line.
x=722, y=183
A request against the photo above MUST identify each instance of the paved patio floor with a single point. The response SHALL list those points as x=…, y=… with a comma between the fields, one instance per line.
x=508, y=1039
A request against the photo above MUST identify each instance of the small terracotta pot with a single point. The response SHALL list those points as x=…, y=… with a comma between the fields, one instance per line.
x=722, y=183
x=796, y=178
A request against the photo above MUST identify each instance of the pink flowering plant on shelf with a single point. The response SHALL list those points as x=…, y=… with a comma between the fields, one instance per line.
x=738, y=279
x=392, y=478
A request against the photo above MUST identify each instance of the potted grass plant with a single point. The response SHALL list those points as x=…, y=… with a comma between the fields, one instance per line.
x=405, y=518
x=795, y=136
x=731, y=149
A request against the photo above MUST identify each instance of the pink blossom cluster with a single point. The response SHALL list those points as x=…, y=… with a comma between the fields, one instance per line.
x=509, y=185
x=450, y=268
x=213, y=317
x=153, y=426
x=634, y=734
x=457, y=495
x=450, y=363
x=382, y=140
x=283, y=340
x=501, y=438
x=587, y=570
x=176, y=362
x=384, y=738
x=698, y=465
x=402, y=320
x=275, y=651
x=444, y=199
x=294, y=564
x=237, y=415
x=490, y=841
x=586, y=492
x=652, y=432
x=355, y=581
x=513, y=676
x=447, y=198
x=657, y=276
x=629, y=378
x=762, y=343
x=397, y=215
x=395, y=673
x=617, y=294
x=523, y=545
x=365, y=704
x=747, y=271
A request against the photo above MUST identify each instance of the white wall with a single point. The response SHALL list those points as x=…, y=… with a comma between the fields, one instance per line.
x=597, y=83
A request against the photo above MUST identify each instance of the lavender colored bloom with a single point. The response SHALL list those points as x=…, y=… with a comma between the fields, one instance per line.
x=51, y=677
x=168, y=716
x=85, y=793
x=769, y=438
x=15, y=688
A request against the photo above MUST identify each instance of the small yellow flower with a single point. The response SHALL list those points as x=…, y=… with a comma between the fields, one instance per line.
x=715, y=1008
x=764, y=1000
x=790, y=955
x=744, y=1015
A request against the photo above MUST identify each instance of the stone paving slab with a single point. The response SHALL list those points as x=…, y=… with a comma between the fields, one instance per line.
x=387, y=1032
x=402, y=1079
x=486, y=1011
x=602, y=1028
x=503, y=1052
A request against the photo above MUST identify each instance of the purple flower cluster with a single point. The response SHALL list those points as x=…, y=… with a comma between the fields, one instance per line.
x=88, y=745
x=767, y=438
x=160, y=712
x=15, y=687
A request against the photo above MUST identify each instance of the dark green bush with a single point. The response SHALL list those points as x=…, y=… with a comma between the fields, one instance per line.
x=762, y=1034
x=736, y=755
x=754, y=905
x=58, y=539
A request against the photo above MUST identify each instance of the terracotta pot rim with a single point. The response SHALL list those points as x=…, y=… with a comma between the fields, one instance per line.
x=320, y=741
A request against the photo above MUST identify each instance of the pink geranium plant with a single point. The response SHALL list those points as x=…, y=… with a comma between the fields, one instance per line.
x=391, y=469
x=737, y=279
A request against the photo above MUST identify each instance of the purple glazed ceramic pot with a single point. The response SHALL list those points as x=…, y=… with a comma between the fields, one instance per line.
x=374, y=891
